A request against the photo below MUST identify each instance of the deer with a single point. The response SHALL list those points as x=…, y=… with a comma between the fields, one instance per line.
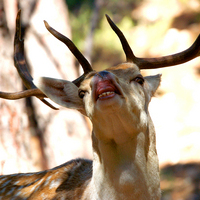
x=125, y=164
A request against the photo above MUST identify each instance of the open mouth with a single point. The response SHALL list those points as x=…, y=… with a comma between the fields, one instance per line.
x=106, y=89
x=106, y=94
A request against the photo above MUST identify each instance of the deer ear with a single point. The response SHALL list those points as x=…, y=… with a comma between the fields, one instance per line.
x=153, y=83
x=62, y=92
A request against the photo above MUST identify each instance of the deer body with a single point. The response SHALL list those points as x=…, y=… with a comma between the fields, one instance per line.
x=123, y=141
x=125, y=163
x=50, y=184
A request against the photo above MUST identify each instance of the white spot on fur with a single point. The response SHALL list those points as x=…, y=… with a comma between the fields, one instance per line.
x=36, y=186
x=16, y=183
x=44, y=196
x=36, y=189
x=40, y=181
x=21, y=195
x=3, y=179
x=21, y=187
x=54, y=183
x=18, y=193
x=33, y=188
x=47, y=180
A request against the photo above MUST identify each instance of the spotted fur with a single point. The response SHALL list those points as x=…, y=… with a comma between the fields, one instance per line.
x=66, y=181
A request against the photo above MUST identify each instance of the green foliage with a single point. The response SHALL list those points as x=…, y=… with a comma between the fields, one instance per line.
x=80, y=25
x=75, y=5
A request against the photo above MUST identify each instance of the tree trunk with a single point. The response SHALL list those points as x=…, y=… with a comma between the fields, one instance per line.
x=33, y=136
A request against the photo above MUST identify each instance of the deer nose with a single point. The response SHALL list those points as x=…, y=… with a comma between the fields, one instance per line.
x=102, y=74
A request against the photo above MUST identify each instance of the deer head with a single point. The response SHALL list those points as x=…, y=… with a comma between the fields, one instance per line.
x=125, y=163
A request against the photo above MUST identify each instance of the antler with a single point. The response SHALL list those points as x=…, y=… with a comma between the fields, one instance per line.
x=20, y=64
x=22, y=68
x=153, y=63
x=143, y=63
x=81, y=59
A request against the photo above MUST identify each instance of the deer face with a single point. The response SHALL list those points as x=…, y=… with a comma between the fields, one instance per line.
x=119, y=93
x=117, y=88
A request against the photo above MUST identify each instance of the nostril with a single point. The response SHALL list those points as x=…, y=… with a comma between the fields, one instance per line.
x=102, y=74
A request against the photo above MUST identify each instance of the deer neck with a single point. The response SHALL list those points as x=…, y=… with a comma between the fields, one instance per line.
x=123, y=165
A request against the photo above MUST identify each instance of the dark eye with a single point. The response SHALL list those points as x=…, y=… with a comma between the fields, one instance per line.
x=81, y=94
x=139, y=80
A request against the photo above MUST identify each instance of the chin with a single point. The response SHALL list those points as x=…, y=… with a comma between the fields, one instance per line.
x=110, y=104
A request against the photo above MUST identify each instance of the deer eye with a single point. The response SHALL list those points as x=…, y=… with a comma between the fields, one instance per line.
x=81, y=94
x=139, y=79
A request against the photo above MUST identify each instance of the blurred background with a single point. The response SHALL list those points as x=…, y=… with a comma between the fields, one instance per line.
x=33, y=137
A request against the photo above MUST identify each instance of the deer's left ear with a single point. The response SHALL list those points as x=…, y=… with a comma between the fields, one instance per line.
x=62, y=92
x=152, y=83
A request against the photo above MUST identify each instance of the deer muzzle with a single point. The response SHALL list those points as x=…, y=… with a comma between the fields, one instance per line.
x=105, y=86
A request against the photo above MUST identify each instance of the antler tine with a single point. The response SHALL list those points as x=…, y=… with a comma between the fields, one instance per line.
x=171, y=60
x=22, y=94
x=130, y=57
x=19, y=59
x=79, y=56
x=20, y=64
x=153, y=63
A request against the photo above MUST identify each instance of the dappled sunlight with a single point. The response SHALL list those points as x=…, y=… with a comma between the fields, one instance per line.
x=175, y=108
x=154, y=10
x=175, y=116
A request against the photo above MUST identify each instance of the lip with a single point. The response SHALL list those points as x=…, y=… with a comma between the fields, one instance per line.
x=106, y=87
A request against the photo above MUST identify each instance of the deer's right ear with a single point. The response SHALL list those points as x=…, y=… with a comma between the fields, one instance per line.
x=62, y=92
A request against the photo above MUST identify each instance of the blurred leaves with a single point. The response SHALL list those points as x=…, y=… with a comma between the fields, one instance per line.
x=143, y=22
